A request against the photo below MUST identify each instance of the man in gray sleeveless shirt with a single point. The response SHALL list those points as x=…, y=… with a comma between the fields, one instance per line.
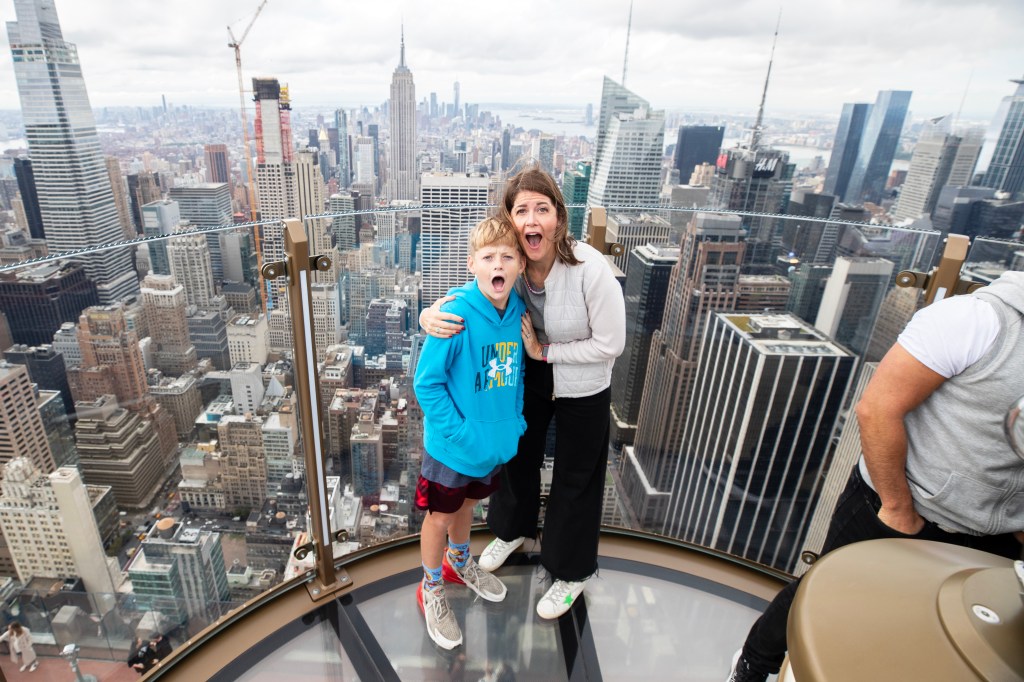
x=936, y=464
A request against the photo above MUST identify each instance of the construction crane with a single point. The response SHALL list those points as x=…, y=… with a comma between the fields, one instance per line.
x=236, y=45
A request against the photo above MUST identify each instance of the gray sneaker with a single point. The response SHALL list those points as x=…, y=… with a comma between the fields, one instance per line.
x=441, y=624
x=471, y=575
x=494, y=554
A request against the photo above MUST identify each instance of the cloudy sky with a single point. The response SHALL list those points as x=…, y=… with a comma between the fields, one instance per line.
x=688, y=55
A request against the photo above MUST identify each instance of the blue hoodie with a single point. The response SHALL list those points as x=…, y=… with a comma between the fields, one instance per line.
x=471, y=385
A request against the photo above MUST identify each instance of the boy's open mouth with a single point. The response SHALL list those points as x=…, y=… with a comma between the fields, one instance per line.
x=533, y=239
x=498, y=284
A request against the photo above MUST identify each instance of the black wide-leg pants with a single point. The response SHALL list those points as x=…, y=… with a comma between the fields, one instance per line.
x=572, y=520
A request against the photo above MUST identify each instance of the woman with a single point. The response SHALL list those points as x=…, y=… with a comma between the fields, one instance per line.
x=20, y=640
x=574, y=329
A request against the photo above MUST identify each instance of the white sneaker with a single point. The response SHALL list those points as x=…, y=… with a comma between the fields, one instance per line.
x=494, y=554
x=441, y=624
x=559, y=598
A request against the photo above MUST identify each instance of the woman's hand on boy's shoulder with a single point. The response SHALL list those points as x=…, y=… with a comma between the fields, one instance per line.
x=439, y=323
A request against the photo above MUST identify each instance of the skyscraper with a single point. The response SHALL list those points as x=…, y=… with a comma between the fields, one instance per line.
x=244, y=469
x=326, y=317
x=21, y=428
x=776, y=387
x=506, y=148
x=544, y=152
x=852, y=297
x=119, y=449
x=645, y=293
x=343, y=227
x=207, y=204
x=179, y=572
x=275, y=173
x=758, y=180
x=160, y=218
x=445, y=232
x=46, y=369
x=704, y=279
x=163, y=300
x=1006, y=167
x=615, y=100
x=76, y=201
x=58, y=428
x=56, y=512
x=189, y=259
x=939, y=156
x=808, y=286
x=120, y=192
x=845, y=148
x=37, y=300
x=367, y=455
x=575, y=188
x=631, y=137
x=696, y=145
x=344, y=149
x=309, y=186
x=180, y=398
x=110, y=348
x=143, y=188
x=218, y=167
x=882, y=129
x=633, y=231
x=403, y=175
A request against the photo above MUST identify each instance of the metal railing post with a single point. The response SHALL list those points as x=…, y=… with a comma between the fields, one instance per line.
x=944, y=280
x=297, y=266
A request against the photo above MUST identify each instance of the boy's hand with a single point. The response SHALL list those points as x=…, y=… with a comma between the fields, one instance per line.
x=439, y=324
x=531, y=345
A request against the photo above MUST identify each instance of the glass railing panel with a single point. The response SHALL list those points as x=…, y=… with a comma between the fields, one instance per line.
x=989, y=258
x=685, y=461
x=175, y=407
x=742, y=349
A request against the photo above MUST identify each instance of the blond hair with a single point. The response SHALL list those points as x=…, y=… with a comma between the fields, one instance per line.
x=493, y=232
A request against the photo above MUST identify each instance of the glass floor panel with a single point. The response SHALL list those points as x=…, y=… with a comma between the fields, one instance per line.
x=637, y=622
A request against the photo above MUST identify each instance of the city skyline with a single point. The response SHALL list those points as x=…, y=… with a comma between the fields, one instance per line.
x=691, y=58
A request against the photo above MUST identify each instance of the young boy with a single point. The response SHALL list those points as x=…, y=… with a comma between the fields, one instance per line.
x=471, y=391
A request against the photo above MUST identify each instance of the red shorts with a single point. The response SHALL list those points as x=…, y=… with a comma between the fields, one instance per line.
x=435, y=497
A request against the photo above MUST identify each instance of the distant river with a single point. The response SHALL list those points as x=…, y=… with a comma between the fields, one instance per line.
x=567, y=121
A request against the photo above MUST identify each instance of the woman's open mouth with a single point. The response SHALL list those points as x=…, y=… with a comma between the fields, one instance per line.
x=533, y=239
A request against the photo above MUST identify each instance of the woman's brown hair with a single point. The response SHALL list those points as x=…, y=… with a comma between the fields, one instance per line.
x=534, y=179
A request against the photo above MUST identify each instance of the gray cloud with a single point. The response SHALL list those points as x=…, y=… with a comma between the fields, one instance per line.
x=687, y=54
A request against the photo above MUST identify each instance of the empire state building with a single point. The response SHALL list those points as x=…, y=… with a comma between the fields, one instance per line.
x=403, y=178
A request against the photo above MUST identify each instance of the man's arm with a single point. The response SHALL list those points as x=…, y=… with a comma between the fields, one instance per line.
x=899, y=385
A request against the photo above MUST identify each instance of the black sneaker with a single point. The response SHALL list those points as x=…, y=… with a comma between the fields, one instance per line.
x=742, y=672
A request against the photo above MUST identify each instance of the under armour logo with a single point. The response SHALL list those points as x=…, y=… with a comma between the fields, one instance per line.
x=505, y=367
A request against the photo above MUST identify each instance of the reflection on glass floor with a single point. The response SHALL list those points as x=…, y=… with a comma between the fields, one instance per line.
x=637, y=622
